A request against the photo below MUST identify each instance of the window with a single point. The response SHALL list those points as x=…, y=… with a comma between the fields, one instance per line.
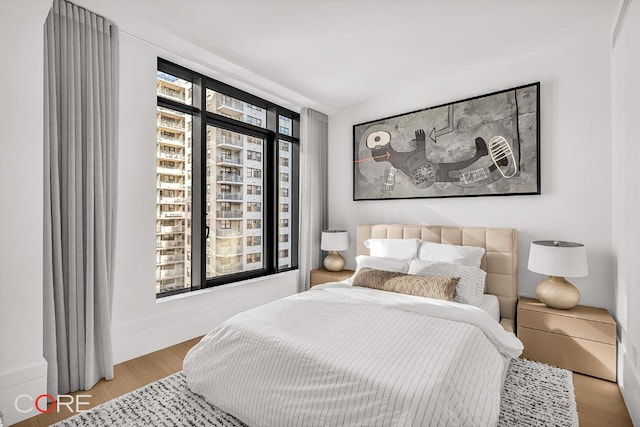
x=234, y=108
x=254, y=173
x=254, y=121
x=254, y=258
x=254, y=224
x=216, y=148
x=254, y=155
x=254, y=241
x=285, y=189
x=284, y=125
x=254, y=190
x=254, y=142
x=227, y=175
x=174, y=88
x=225, y=206
x=254, y=207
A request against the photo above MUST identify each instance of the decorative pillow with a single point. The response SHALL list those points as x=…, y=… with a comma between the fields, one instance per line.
x=470, y=287
x=442, y=252
x=379, y=263
x=422, y=286
x=393, y=248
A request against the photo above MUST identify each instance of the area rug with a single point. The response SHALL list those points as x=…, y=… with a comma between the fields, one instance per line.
x=534, y=394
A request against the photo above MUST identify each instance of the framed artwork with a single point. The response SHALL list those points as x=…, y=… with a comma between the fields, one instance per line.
x=483, y=146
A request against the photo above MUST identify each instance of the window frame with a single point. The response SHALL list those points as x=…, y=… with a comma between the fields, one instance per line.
x=201, y=119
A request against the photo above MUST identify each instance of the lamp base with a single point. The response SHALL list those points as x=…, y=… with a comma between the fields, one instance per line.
x=334, y=261
x=557, y=292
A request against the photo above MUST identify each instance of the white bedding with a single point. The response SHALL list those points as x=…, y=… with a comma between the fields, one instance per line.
x=491, y=304
x=339, y=355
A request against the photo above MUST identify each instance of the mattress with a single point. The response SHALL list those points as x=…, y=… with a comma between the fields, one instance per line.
x=491, y=305
x=342, y=355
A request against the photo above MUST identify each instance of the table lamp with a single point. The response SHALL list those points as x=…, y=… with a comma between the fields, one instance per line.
x=558, y=259
x=334, y=241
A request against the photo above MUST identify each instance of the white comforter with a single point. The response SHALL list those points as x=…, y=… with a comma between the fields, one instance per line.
x=339, y=355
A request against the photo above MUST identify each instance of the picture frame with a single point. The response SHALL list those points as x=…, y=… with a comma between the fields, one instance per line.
x=487, y=145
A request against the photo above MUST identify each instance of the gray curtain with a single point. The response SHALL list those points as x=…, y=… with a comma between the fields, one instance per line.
x=80, y=161
x=313, y=191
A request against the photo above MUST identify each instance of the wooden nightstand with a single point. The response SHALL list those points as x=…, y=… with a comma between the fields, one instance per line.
x=582, y=339
x=322, y=275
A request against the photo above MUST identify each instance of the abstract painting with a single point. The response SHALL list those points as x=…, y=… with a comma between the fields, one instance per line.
x=482, y=146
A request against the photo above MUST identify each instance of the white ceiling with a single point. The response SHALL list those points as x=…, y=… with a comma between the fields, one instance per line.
x=339, y=53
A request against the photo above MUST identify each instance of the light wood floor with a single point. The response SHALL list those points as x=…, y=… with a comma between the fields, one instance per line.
x=599, y=402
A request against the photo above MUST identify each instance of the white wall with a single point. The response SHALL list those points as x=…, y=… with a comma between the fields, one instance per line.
x=575, y=204
x=22, y=367
x=142, y=324
x=626, y=203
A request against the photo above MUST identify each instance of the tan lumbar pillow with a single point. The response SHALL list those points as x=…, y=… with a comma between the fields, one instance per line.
x=424, y=286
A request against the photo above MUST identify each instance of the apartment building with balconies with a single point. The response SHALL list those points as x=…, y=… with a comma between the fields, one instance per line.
x=173, y=188
x=234, y=189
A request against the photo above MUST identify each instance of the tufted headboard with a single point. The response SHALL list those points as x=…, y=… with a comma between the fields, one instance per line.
x=500, y=260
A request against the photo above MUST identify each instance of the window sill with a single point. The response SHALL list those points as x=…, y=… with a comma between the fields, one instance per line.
x=221, y=288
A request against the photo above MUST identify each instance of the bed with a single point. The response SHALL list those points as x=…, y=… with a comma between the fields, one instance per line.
x=500, y=260
x=350, y=355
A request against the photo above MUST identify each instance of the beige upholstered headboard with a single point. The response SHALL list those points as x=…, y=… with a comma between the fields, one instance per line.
x=500, y=260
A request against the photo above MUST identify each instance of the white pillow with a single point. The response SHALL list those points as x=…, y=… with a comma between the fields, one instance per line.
x=442, y=252
x=469, y=289
x=379, y=263
x=393, y=248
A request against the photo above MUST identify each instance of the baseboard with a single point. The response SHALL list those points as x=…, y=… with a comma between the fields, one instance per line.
x=181, y=320
x=31, y=381
x=629, y=382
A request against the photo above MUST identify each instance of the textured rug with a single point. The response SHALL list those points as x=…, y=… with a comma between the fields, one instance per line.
x=534, y=394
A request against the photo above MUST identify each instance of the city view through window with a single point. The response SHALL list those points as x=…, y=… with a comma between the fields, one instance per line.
x=235, y=200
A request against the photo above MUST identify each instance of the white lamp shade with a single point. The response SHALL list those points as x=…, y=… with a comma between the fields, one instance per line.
x=334, y=240
x=556, y=258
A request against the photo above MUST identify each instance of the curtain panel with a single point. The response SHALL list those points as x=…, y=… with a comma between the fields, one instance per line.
x=313, y=191
x=80, y=162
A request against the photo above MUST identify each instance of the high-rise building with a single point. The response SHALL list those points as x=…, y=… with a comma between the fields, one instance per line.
x=284, y=197
x=234, y=190
x=173, y=188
